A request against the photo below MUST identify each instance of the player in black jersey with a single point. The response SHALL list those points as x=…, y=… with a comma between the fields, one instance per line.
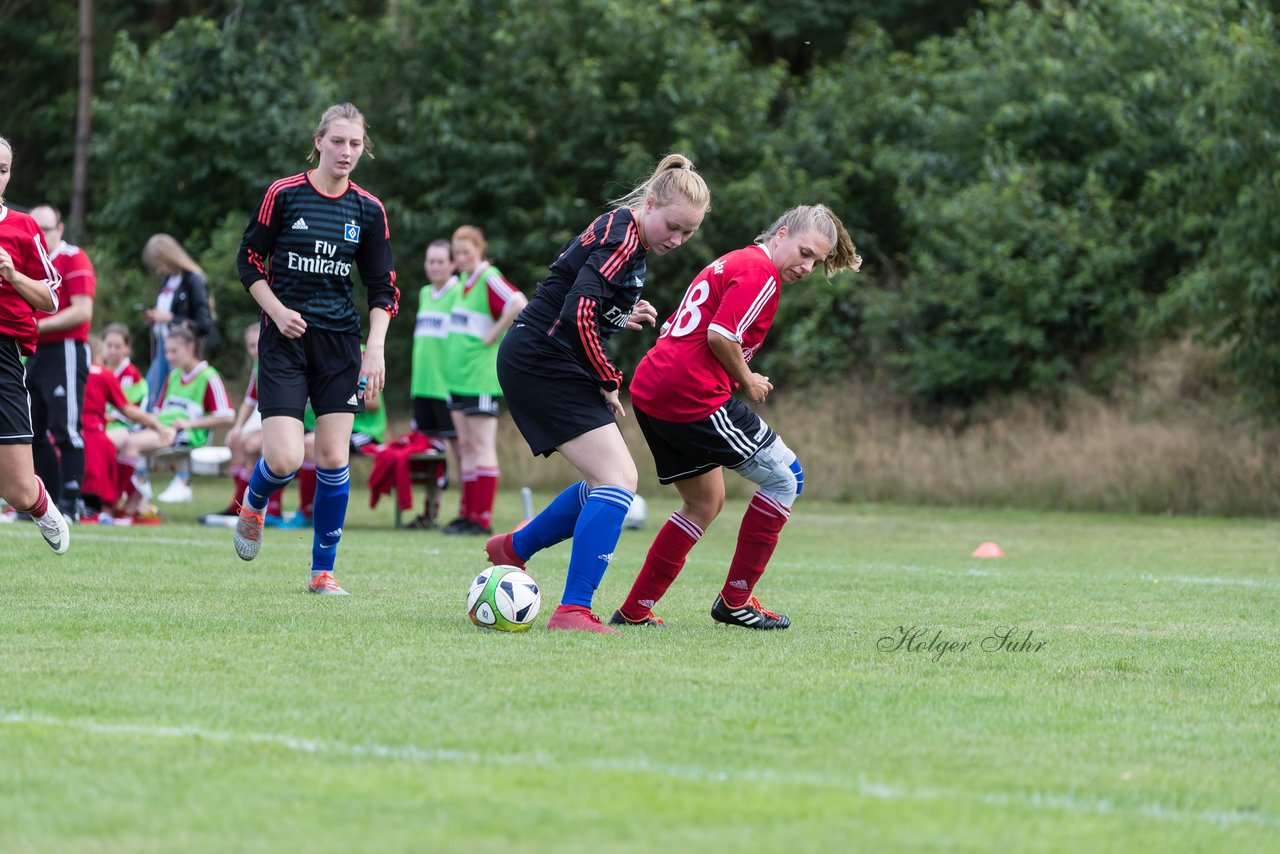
x=296, y=260
x=562, y=388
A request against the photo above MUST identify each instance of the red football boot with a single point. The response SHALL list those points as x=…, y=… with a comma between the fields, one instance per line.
x=578, y=618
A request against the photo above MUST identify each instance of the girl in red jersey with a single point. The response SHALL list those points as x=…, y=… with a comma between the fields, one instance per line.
x=28, y=282
x=300, y=247
x=562, y=388
x=103, y=389
x=683, y=396
x=117, y=352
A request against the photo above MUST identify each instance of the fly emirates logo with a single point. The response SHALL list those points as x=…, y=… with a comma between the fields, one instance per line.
x=322, y=262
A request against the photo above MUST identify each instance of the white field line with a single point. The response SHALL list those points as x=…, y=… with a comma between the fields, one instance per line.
x=1210, y=579
x=1068, y=802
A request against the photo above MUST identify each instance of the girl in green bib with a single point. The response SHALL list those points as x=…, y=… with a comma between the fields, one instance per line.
x=192, y=403
x=483, y=310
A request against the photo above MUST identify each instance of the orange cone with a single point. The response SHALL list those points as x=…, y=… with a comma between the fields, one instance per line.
x=987, y=549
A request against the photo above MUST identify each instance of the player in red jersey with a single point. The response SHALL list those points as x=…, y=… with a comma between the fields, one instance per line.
x=117, y=349
x=562, y=388
x=683, y=396
x=102, y=388
x=28, y=282
x=57, y=373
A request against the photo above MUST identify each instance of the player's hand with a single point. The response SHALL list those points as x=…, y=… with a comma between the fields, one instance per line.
x=373, y=374
x=758, y=389
x=6, y=265
x=289, y=322
x=611, y=398
x=643, y=313
x=155, y=315
x=167, y=435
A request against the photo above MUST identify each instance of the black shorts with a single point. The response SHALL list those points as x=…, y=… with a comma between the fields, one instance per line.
x=475, y=404
x=15, y=405
x=552, y=398
x=431, y=417
x=727, y=437
x=56, y=377
x=321, y=365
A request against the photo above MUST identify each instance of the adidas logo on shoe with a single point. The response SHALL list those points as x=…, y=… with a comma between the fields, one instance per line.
x=300, y=224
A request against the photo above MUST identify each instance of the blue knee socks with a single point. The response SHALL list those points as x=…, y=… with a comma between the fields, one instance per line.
x=554, y=524
x=263, y=484
x=594, y=537
x=333, y=487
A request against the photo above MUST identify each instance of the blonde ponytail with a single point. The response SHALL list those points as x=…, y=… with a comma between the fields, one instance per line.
x=674, y=181
x=821, y=219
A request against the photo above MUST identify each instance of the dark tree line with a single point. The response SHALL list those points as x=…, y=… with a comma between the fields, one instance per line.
x=1037, y=187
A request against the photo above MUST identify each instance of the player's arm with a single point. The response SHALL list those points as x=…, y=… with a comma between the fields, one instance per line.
x=508, y=301
x=598, y=279
x=78, y=313
x=256, y=246
x=41, y=294
x=729, y=353
x=141, y=416
x=376, y=264
x=243, y=414
x=373, y=364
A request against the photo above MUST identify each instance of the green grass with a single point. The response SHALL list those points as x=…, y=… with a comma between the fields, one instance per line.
x=158, y=694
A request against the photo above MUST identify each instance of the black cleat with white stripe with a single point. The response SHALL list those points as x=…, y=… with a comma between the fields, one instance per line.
x=750, y=616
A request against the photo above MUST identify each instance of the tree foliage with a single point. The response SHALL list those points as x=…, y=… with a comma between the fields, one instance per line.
x=1036, y=187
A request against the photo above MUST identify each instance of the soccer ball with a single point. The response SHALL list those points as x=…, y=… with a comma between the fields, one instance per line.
x=637, y=514
x=504, y=598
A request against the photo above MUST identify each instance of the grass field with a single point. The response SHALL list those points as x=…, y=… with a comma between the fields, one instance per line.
x=157, y=694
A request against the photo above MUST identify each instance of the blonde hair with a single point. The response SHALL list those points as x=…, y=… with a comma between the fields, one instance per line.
x=163, y=247
x=6, y=144
x=820, y=218
x=339, y=112
x=675, y=180
x=469, y=232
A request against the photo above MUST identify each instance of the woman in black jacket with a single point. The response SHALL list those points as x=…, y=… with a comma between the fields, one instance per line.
x=184, y=296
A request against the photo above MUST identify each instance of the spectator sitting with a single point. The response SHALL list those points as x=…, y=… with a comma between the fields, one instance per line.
x=193, y=400
x=117, y=351
x=103, y=388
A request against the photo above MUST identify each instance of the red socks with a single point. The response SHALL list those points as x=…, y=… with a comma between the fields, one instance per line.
x=124, y=480
x=662, y=564
x=41, y=506
x=273, y=504
x=241, y=476
x=484, y=490
x=757, y=538
x=307, y=489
